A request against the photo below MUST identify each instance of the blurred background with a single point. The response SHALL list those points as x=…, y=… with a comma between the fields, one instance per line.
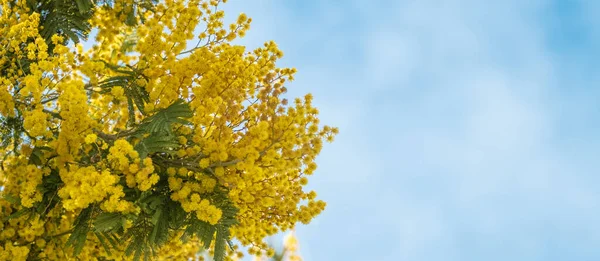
x=469, y=130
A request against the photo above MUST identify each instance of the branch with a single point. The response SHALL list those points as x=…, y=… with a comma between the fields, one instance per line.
x=62, y=234
x=226, y=163
x=113, y=137
x=49, y=99
x=54, y=114
x=105, y=136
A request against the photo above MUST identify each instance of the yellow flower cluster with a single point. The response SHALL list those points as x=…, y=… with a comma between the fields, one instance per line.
x=175, y=249
x=75, y=120
x=13, y=253
x=16, y=30
x=32, y=175
x=288, y=148
x=22, y=179
x=7, y=232
x=190, y=193
x=86, y=185
x=35, y=123
x=32, y=229
x=137, y=172
x=118, y=92
x=121, y=154
x=6, y=101
x=91, y=138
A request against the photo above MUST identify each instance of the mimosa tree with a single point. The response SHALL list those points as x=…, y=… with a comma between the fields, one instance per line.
x=161, y=140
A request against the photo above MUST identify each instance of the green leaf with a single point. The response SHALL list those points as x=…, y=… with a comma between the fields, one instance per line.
x=160, y=231
x=129, y=43
x=162, y=121
x=80, y=230
x=204, y=231
x=158, y=215
x=155, y=201
x=107, y=221
x=159, y=126
x=120, y=80
x=103, y=243
x=130, y=20
x=12, y=199
x=177, y=215
x=134, y=246
x=220, y=240
x=229, y=215
x=139, y=96
x=49, y=187
x=17, y=214
x=64, y=17
x=112, y=239
x=37, y=155
x=156, y=143
x=83, y=5
x=138, y=238
x=131, y=111
x=138, y=253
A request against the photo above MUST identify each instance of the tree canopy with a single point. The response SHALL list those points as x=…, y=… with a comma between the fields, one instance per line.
x=162, y=140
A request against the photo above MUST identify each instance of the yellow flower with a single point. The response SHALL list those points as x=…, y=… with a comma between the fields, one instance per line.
x=35, y=122
x=204, y=163
x=91, y=138
x=117, y=92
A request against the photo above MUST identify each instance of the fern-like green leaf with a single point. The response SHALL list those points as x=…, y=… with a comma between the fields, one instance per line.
x=12, y=199
x=129, y=42
x=155, y=143
x=120, y=80
x=19, y=213
x=162, y=121
x=64, y=17
x=111, y=238
x=107, y=221
x=131, y=111
x=84, y=5
x=220, y=241
x=36, y=155
x=160, y=231
x=103, y=242
x=80, y=230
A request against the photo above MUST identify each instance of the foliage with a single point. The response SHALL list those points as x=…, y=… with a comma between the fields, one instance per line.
x=143, y=146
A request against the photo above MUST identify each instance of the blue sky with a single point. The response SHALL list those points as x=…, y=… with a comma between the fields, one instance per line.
x=469, y=129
